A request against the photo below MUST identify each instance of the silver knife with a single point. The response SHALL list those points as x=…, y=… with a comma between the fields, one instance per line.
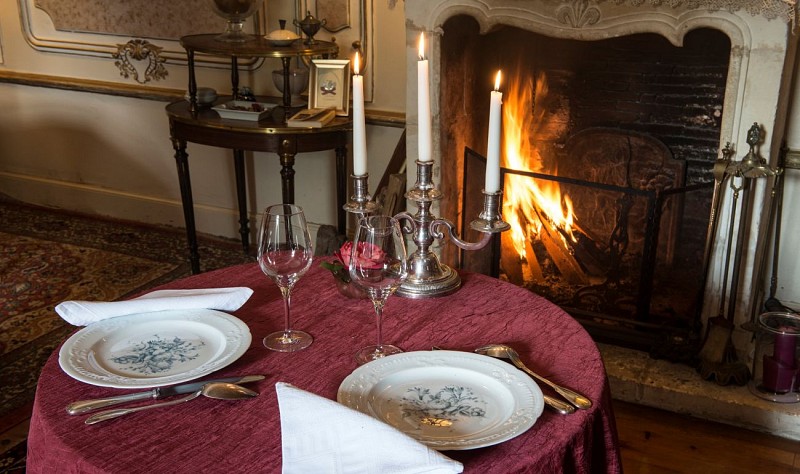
x=84, y=406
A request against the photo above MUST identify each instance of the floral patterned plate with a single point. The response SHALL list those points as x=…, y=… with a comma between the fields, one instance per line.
x=445, y=399
x=154, y=349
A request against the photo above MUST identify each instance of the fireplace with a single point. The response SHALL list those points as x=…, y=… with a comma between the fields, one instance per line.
x=704, y=77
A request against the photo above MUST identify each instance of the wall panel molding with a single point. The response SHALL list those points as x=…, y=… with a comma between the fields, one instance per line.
x=70, y=27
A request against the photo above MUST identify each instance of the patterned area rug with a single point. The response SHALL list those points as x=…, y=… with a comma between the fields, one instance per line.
x=47, y=257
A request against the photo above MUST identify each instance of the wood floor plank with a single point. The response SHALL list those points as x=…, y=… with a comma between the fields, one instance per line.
x=656, y=441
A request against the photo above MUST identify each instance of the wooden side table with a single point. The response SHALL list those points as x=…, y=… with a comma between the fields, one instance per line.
x=189, y=122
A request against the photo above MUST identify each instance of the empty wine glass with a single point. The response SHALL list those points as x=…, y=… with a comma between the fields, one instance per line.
x=378, y=265
x=284, y=255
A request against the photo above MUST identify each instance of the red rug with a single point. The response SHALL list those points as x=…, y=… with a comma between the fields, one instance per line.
x=47, y=257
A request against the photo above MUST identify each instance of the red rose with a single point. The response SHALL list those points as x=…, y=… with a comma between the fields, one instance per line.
x=369, y=256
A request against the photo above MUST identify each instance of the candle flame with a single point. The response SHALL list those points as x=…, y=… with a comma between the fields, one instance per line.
x=421, y=46
x=355, y=65
x=497, y=80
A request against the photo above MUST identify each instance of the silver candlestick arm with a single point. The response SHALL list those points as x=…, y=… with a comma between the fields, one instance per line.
x=361, y=202
x=427, y=276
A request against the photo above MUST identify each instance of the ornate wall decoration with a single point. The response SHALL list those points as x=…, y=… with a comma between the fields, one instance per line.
x=578, y=13
x=781, y=9
x=141, y=52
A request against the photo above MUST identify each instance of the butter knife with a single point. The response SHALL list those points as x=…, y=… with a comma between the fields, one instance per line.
x=84, y=406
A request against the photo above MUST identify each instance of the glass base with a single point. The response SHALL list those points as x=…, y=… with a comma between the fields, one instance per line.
x=761, y=392
x=370, y=353
x=234, y=33
x=288, y=341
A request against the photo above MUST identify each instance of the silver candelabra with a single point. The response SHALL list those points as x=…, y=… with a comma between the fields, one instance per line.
x=427, y=277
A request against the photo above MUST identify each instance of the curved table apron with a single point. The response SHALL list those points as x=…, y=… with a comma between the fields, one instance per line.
x=206, y=435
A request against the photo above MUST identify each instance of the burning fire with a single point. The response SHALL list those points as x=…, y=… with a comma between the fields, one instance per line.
x=529, y=203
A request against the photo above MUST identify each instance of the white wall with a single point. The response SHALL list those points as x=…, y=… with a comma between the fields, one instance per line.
x=111, y=155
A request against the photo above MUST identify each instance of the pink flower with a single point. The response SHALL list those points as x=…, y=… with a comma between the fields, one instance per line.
x=369, y=255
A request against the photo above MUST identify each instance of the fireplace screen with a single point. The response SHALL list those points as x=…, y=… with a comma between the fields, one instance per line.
x=608, y=238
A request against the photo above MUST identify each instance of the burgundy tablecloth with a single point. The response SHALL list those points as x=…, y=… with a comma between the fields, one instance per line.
x=217, y=436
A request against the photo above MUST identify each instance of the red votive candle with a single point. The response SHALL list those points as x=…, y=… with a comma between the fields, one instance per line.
x=785, y=346
x=780, y=369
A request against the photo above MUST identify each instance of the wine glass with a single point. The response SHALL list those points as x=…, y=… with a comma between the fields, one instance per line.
x=378, y=265
x=284, y=255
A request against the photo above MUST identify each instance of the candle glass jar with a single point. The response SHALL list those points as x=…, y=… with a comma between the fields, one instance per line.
x=775, y=361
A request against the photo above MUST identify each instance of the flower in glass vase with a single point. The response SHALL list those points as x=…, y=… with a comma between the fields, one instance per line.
x=339, y=266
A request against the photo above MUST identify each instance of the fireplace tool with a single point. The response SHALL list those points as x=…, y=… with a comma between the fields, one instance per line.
x=427, y=277
x=718, y=359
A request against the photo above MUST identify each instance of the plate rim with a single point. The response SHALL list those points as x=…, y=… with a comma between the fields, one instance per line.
x=235, y=326
x=507, y=371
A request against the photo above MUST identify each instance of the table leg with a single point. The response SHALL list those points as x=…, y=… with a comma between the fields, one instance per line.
x=235, y=77
x=287, y=93
x=341, y=189
x=192, y=83
x=287, y=171
x=241, y=195
x=182, y=161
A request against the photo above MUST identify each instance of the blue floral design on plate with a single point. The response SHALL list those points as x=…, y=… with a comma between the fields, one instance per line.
x=158, y=355
x=442, y=408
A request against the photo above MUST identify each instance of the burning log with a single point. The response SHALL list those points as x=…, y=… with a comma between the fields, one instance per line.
x=569, y=268
x=531, y=269
x=517, y=268
x=590, y=257
x=510, y=261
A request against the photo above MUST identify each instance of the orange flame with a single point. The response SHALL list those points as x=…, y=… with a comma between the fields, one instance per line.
x=530, y=203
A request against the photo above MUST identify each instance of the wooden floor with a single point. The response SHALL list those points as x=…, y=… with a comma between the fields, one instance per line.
x=655, y=441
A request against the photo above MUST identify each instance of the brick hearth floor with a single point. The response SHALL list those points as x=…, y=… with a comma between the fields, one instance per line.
x=635, y=377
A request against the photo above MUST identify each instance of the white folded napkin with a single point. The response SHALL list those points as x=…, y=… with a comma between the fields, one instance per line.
x=83, y=313
x=321, y=435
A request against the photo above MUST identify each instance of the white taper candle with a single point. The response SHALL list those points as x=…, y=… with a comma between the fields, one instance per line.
x=359, y=126
x=492, y=183
x=423, y=104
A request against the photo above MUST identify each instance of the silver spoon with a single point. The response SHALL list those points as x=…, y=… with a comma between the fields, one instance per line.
x=502, y=351
x=554, y=403
x=217, y=390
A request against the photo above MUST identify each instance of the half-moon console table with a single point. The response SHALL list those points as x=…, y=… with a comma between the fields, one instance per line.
x=190, y=122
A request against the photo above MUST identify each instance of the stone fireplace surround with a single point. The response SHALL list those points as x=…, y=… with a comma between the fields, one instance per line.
x=757, y=90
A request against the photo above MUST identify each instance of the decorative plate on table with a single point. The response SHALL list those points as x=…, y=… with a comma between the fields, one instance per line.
x=244, y=110
x=154, y=349
x=445, y=399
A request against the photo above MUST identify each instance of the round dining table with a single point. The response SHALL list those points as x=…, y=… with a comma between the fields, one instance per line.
x=207, y=435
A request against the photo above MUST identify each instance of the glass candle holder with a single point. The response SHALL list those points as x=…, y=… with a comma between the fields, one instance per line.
x=775, y=362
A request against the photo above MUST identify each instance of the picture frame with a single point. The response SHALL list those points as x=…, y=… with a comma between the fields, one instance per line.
x=329, y=85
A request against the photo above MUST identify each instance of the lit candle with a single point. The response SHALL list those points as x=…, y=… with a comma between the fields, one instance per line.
x=492, y=184
x=359, y=129
x=423, y=104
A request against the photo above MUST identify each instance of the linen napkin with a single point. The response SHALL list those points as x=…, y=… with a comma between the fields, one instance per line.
x=83, y=313
x=321, y=435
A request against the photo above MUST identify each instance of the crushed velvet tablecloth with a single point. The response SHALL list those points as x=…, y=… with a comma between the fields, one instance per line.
x=217, y=436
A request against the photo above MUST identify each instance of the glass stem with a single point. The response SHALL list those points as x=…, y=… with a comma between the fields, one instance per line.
x=379, y=316
x=286, y=292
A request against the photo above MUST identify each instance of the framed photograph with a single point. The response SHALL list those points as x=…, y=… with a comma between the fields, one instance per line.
x=329, y=85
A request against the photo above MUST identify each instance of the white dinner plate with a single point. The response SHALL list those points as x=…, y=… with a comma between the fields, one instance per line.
x=445, y=399
x=154, y=349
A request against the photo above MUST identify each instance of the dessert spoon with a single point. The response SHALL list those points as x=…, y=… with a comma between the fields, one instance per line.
x=217, y=390
x=502, y=351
